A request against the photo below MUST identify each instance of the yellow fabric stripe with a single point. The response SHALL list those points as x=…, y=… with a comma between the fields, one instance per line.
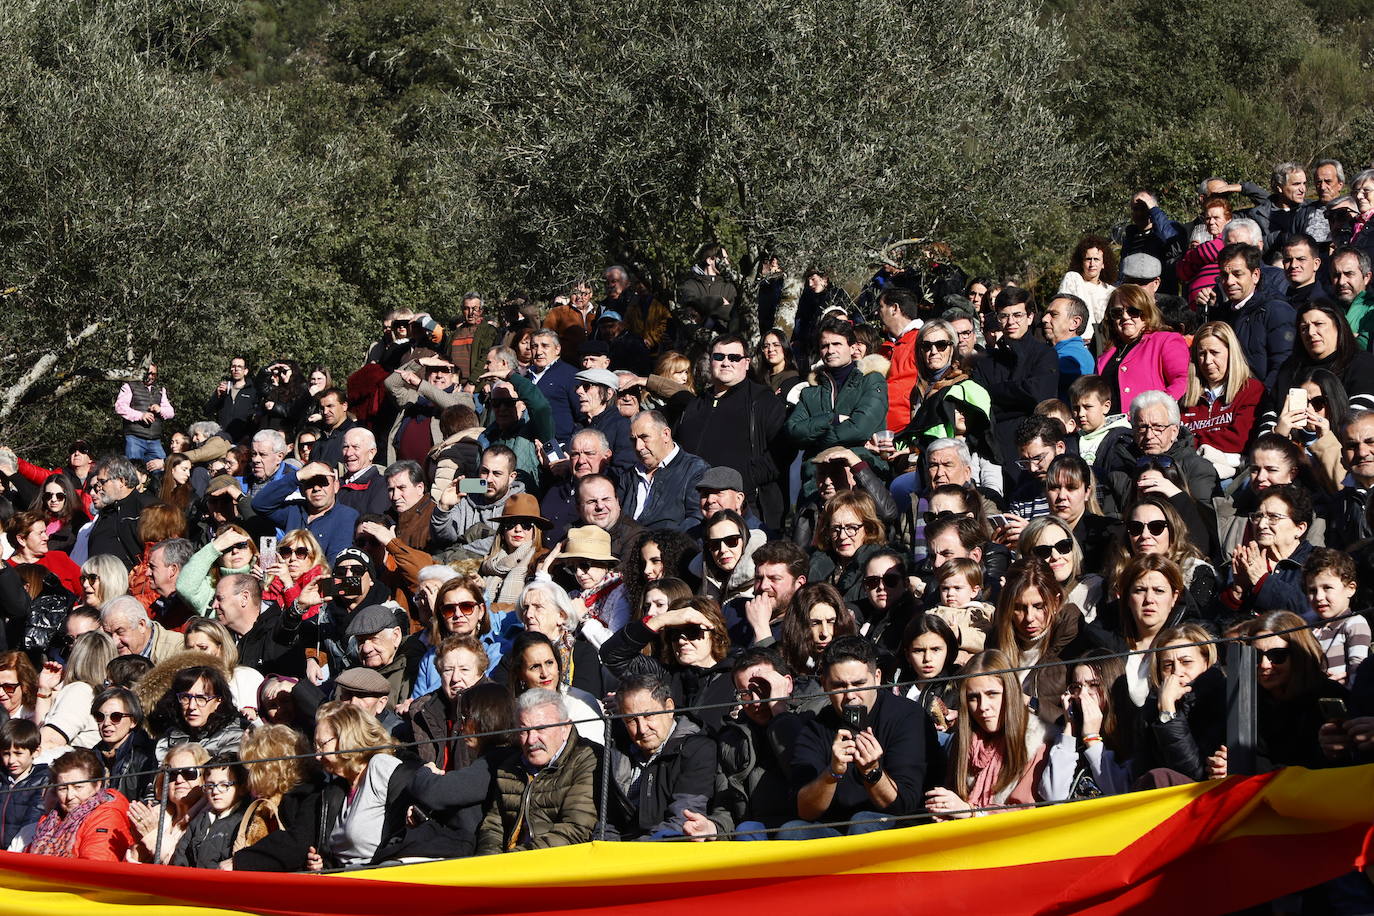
x=21, y=895
x=1299, y=800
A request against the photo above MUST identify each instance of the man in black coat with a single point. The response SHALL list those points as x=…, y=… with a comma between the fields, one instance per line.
x=263, y=638
x=113, y=482
x=660, y=492
x=234, y=403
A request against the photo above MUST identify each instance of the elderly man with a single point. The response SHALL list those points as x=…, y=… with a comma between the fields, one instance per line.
x=1158, y=440
x=424, y=388
x=265, y=639
x=965, y=324
x=383, y=647
x=596, y=390
x=471, y=338
x=1350, y=518
x=947, y=462
x=466, y=520
x=598, y=504
x=661, y=490
x=1264, y=325
x=1287, y=211
x=556, y=380
x=113, y=485
x=545, y=793
x=862, y=759
x=267, y=458
x=1350, y=273
x=643, y=315
x=361, y=487
x=588, y=453
x=125, y=621
x=665, y=772
x=410, y=505
x=165, y=563
x=1063, y=322
x=320, y=512
x=368, y=690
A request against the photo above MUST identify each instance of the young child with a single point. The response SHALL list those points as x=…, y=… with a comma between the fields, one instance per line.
x=1053, y=407
x=1329, y=578
x=1091, y=400
x=22, y=781
x=958, y=586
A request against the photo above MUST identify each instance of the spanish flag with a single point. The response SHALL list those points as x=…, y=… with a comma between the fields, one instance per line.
x=1212, y=847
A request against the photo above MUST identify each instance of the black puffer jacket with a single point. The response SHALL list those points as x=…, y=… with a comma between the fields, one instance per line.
x=1194, y=734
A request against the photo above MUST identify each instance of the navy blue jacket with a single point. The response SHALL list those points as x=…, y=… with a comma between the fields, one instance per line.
x=1266, y=328
x=22, y=803
x=673, y=501
x=558, y=385
x=616, y=429
x=334, y=529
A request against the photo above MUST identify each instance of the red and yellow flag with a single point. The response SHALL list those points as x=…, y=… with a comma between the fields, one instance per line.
x=1210, y=847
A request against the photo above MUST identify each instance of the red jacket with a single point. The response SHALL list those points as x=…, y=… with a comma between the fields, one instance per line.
x=1226, y=427
x=60, y=565
x=105, y=835
x=901, y=377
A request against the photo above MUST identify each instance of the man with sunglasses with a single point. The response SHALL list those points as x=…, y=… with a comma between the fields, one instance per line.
x=318, y=510
x=596, y=390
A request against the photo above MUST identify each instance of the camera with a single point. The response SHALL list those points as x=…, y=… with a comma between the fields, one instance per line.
x=855, y=717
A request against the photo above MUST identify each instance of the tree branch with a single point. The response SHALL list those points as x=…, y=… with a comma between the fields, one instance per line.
x=9, y=399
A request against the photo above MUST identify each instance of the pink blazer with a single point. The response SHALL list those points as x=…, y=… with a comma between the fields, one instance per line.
x=1159, y=362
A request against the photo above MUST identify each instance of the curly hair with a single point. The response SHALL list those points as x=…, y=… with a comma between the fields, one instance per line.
x=273, y=778
x=676, y=550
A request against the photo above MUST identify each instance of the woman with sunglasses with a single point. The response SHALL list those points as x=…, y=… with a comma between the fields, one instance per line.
x=725, y=565
x=515, y=552
x=1313, y=426
x=212, y=836
x=124, y=747
x=232, y=551
x=1154, y=527
x=585, y=558
x=815, y=618
x=887, y=603
x=182, y=774
x=1049, y=540
x=64, y=512
x=1266, y=570
x=1291, y=674
x=1034, y=626
x=848, y=531
x=1325, y=341
x=18, y=685
x=103, y=578
x=300, y=561
x=200, y=707
x=459, y=610
x=1221, y=405
x=945, y=402
x=1143, y=355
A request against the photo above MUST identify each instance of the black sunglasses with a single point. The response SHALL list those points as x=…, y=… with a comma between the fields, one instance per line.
x=732, y=357
x=1279, y=655
x=933, y=517
x=1153, y=461
x=937, y=345
x=730, y=540
x=892, y=578
x=1118, y=313
x=190, y=774
x=1136, y=528
x=311, y=483
x=300, y=553
x=1063, y=548
x=115, y=717
x=692, y=632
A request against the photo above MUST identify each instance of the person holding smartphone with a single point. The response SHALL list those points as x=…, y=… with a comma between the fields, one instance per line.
x=861, y=762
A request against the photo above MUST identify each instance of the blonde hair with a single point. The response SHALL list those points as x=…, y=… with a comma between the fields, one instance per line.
x=112, y=577
x=198, y=754
x=219, y=635
x=91, y=652
x=357, y=734
x=671, y=362
x=274, y=778
x=1237, y=367
x=301, y=536
x=1184, y=634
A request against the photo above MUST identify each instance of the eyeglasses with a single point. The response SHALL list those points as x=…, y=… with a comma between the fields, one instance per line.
x=1155, y=429
x=220, y=786
x=186, y=774
x=1118, y=313
x=892, y=578
x=1064, y=548
x=465, y=608
x=300, y=553
x=195, y=699
x=8, y=688
x=1279, y=655
x=691, y=633
x=1272, y=518
x=939, y=346
x=314, y=483
x=730, y=540
x=732, y=357
x=1026, y=464
x=59, y=496
x=115, y=717
x=90, y=578
x=97, y=483
x=1135, y=528
x=845, y=530
x=239, y=546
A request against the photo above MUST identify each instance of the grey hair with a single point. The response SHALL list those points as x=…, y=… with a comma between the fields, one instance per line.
x=123, y=607
x=538, y=698
x=589, y=433
x=407, y=467
x=272, y=438
x=368, y=437
x=1359, y=254
x=1340, y=169
x=616, y=269
x=940, y=324
x=505, y=355
x=117, y=467
x=551, y=335
x=113, y=574
x=206, y=428
x=436, y=572
x=1365, y=175
x=959, y=446
x=660, y=422
x=557, y=594
x=1077, y=308
x=1281, y=172
x=1249, y=226
x=1202, y=188
x=1147, y=399
x=470, y=295
x=176, y=551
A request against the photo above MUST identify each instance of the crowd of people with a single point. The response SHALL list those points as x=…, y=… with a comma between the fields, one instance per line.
x=943, y=548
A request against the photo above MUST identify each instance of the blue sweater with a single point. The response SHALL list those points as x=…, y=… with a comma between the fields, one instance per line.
x=334, y=529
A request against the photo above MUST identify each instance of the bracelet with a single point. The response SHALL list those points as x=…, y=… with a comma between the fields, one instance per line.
x=1094, y=737
x=44, y=696
x=838, y=777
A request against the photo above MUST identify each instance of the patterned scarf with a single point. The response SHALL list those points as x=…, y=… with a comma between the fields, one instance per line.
x=56, y=835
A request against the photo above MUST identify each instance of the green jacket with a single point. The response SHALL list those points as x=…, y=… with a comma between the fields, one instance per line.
x=1360, y=315
x=554, y=807
x=537, y=425
x=815, y=425
x=196, y=583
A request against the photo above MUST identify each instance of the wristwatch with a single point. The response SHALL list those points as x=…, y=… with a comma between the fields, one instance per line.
x=1166, y=717
x=875, y=774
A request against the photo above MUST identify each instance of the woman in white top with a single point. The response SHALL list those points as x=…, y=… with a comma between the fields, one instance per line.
x=1090, y=266
x=354, y=748
x=213, y=638
x=66, y=713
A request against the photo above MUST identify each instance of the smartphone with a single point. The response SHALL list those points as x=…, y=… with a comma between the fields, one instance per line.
x=472, y=485
x=1333, y=709
x=855, y=717
x=349, y=586
x=267, y=552
x=1297, y=400
x=554, y=453
x=997, y=521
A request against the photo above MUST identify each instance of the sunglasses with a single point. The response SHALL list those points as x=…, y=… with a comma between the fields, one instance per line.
x=115, y=717
x=933, y=517
x=1136, y=528
x=466, y=608
x=891, y=579
x=1279, y=655
x=524, y=524
x=239, y=546
x=90, y=578
x=344, y=572
x=730, y=540
x=186, y=774
x=732, y=357
x=1319, y=403
x=1063, y=548
x=939, y=346
x=300, y=553
x=1153, y=461
x=314, y=483
x=59, y=496
x=582, y=565
x=8, y=688
x=691, y=633
x=1118, y=313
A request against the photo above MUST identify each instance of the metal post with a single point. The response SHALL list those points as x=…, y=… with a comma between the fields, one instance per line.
x=161, y=815
x=1242, y=724
x=606, y=764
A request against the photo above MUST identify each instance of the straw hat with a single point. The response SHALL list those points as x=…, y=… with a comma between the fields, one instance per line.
x=588, y=542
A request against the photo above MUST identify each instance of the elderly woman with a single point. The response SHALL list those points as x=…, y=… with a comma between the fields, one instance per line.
x=1222, y=402
x=356, y=750
x=1143, y=355
x=1197, y=270
x=847, y=532
x=87, y=820
x=1266, y=570
x=1362, y=188
x=103, y=578
x=1050, y=539
x=599, y=592
x=690, y=643
x=545, y=607
x=1091, y=269
x=124, y=746
x=726, y=565
x=1158, y=439
x=184, y=780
